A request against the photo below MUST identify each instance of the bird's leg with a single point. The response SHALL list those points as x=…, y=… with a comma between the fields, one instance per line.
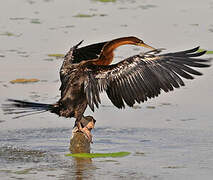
x=82, y=122
x=89, y=124
x=85, y=131
x=85, y=125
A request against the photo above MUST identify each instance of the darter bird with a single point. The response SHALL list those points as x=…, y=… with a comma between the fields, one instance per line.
x=87, y=71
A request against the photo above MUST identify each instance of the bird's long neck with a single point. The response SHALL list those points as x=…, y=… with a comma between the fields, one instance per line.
x=107, y=54
x=112, y=45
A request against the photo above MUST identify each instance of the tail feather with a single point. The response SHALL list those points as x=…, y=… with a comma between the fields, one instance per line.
x=25, y=108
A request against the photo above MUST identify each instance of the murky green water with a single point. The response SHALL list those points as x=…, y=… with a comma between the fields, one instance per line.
x=169, y=137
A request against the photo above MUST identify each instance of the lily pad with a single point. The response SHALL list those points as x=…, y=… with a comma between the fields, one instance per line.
x=22, y=80
x=207, y=52
x=99, y=155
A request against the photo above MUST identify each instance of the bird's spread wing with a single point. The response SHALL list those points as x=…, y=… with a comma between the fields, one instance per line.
x=140, y=77
x=76, y=55
x=87, y=52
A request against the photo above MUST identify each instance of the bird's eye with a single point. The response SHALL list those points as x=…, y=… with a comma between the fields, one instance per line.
x=75, y=84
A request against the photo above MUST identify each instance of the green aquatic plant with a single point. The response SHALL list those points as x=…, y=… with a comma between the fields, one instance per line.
x=207, y=52
x=150, y=107
x=99, y=155
x=5, y=171
x=24, y=171
x=84, y=15
x=35, y=21
x=9, y=34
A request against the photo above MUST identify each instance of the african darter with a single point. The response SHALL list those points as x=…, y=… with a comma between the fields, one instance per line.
x=87, y=71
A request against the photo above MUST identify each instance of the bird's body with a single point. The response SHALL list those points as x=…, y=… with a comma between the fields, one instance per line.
x=86, y=72
x=74, y=100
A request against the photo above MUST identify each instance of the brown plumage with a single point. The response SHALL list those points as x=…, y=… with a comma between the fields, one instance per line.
x=86, y=72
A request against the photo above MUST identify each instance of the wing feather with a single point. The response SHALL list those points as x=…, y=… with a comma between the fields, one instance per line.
x=140, y=77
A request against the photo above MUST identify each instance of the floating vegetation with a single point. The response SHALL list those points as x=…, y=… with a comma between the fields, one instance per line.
x=207, y=52
x=68, y=26
x=102, y=15
x=148, y=6
x=136, y=107
x=89, y=15
x=139, y=154
x=105, y=1
x=24, y=171
x=84, y=15
x=195, y=24
x=56, y=55
x=62, y=27
x=150, y=107
x=188, y=119
x=48, y=59
x=17, y=18
x=174, y=167
x=99, y=155
x=22, y=80
x=165, y=104
x=9, y=34
x=35, y=21
x=5, y=171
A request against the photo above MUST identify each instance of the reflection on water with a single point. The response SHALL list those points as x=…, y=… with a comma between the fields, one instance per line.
x=83, y=168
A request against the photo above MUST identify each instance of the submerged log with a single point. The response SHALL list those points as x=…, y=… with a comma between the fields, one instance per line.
x=79, y=142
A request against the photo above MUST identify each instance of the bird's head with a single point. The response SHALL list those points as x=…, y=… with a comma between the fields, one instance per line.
x=138, y=42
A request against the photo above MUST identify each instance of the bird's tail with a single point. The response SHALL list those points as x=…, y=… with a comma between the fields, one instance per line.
x=24, y=108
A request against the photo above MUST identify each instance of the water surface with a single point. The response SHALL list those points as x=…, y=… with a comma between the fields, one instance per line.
x=169, y=137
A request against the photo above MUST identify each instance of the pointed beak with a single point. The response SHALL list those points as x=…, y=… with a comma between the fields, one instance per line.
x=146, y=46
